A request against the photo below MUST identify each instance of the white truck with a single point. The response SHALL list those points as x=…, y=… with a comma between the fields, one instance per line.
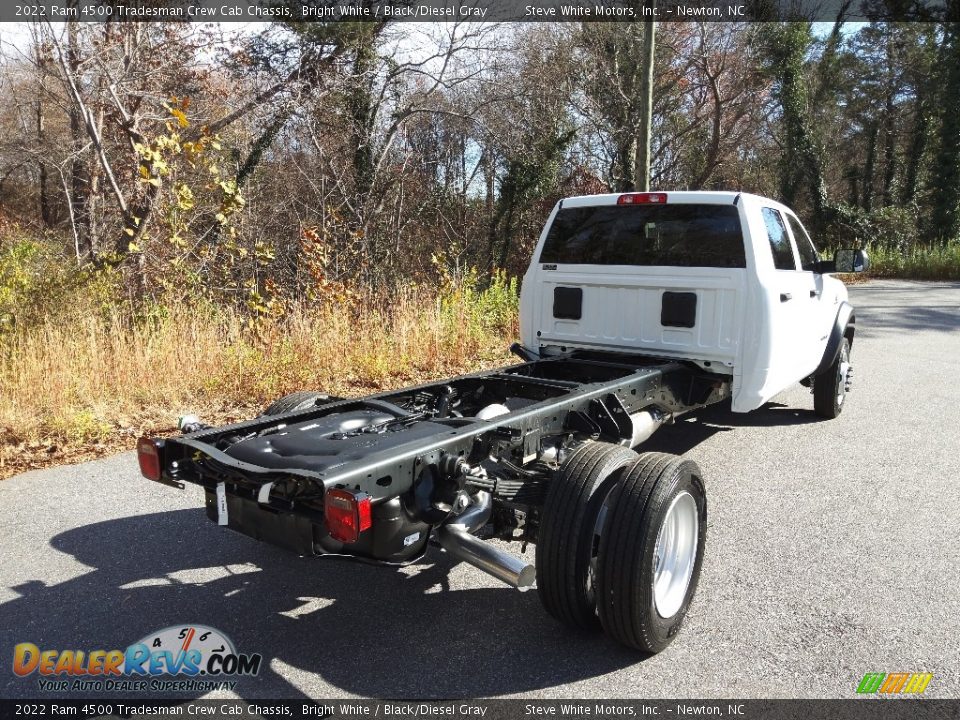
x=729, y=281
x=637, y=308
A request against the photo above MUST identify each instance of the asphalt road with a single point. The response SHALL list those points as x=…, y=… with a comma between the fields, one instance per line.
x=832, y=551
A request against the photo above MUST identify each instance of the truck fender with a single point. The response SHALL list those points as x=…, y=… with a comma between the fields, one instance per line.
x=842, y=326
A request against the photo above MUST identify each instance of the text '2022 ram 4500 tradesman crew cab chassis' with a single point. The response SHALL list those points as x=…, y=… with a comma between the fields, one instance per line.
x=637, y=308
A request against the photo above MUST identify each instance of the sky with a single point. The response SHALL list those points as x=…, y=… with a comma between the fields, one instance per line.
x=15, y=37
x=17, y=34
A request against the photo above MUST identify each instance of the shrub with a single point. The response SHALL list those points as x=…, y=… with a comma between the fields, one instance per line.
x=921, y=262
x=79, y=375
x=38, y=282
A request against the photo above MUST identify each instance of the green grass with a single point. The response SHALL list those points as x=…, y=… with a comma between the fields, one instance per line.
x=941, y=262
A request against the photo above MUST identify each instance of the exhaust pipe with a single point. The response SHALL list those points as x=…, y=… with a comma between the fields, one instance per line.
x=456, y=537
x=645, y=423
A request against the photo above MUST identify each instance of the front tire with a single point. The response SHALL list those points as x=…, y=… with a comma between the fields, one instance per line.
x=830, y=388
x=568, y=537
x=651, y=551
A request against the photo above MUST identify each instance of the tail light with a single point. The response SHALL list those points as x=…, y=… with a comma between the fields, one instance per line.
x=347, y=514
x=148, y=455
x=642, y=199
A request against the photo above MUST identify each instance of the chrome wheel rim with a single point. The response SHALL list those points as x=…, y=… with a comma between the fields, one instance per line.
x=675, y=554
x=843, y=371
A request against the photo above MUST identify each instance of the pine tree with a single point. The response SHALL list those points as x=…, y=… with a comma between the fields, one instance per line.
x=946, y=169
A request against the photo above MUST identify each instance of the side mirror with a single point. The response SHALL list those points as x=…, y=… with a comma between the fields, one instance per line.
x=851, y=261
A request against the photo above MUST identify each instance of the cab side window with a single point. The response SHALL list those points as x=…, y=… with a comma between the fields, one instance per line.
x=779, y=240
x=808, y=253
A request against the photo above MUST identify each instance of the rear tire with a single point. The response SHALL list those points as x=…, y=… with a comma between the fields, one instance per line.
x=830, y=388
x=295, y=401
x=651, y=551
x=567, y=541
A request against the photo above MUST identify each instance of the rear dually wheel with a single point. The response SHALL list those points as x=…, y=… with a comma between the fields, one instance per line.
x=651, y=551
x=571, y=524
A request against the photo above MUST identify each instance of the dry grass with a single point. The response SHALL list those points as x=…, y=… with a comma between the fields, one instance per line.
x=853, y=278
x=72, y=391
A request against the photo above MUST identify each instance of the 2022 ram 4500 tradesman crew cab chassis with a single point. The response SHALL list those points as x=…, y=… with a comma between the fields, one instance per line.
x=636, y=309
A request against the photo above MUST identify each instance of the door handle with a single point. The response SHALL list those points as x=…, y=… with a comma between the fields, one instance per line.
x=785, y=296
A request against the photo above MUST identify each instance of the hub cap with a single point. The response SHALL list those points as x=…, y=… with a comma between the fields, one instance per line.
x=675, y=555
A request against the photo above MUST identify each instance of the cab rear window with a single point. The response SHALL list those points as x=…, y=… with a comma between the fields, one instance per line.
x=679, y=235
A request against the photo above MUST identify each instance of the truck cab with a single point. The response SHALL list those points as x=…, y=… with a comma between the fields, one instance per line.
x=729, y=281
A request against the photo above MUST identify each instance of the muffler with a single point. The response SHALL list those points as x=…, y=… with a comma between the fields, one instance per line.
x=457, y=539
x=645, y=423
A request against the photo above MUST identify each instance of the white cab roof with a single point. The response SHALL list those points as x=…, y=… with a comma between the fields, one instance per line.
x=687, y=196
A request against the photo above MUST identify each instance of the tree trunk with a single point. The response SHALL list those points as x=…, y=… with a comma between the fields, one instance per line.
x=713, y=151
x=918, y=146
x=625, y=180
x=79, y=186
x=260, y=146
x=889, y=149
x=360, y=105
x=869, y=167
x=504, y=252
x=853, y=186
x=490, y=180
x=641, y=165
x=94, y=198
x=46, y=212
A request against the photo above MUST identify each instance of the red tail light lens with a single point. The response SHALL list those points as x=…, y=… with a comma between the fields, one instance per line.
x=148, y=456
x=347, y=514
x=642, y=199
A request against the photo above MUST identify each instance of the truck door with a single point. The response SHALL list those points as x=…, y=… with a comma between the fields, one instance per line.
x=790, y=331
x=822, y=311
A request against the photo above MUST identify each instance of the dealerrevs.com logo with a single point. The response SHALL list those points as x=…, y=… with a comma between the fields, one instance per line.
x=185, y=658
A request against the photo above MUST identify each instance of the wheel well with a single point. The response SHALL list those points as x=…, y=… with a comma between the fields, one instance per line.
x=850, y=329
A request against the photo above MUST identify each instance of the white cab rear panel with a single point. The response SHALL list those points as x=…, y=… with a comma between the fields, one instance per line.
x=622, y=307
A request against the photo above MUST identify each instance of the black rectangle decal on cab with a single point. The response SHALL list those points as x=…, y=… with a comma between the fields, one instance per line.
x=567, y=303
x=678, y=309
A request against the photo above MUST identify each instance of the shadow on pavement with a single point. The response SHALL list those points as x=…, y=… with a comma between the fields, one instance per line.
x=906, y=306
x=369, y=631
x=909, y=317
x=691, y=430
